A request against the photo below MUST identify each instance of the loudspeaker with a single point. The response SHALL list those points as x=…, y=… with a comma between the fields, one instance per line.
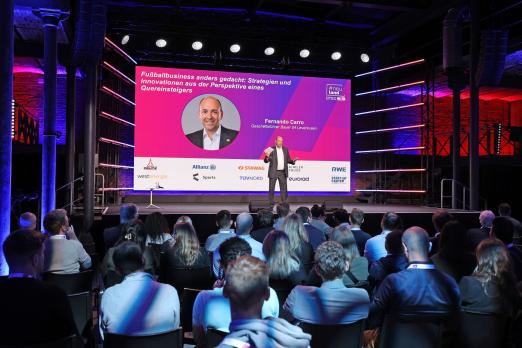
x=493, y=50
x=255, y=206
x=89, y=34
x=330, y=206
x=452, y=40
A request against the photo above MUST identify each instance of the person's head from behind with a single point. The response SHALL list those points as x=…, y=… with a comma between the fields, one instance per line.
x=439, y=218
x=280, y=258
x=330, y=261
x=231, y=249
x=453, y=240
x=356, y=217
x=486, y=218
x=24, y=252
x=502, y=228
x=56, y=222
x=318, y=211
x=393, y=243
x=133, y=231
x=184, y=219
x=244, y=223
x=128, y=212
x=246, y=285
x=156, y=225
x=304, y=213
x=295, y=230
x=210, y=113
x=416, y=244
x=186, y=242
x=279, y=141
x=223, y=219
x=341, y=216
x=128, y=258
x=504, y=209
x=27, y=221
x=282, y=210
x=391, y=221
x=265, y=218
x=344, y=236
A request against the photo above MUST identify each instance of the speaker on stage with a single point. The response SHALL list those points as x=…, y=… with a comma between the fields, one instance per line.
x=330, y=206
x=255, y=206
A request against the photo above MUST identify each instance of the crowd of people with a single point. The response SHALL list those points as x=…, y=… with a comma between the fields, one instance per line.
x=266, y=276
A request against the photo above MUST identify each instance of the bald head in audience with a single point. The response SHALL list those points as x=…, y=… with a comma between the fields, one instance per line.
x=416, y=244
x=27, y=221
x=244, y=223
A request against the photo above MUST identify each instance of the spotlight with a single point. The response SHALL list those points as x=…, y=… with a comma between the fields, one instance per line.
x=125, y=39
x=269, y=51
x=304, y=53
x=235, y=48
x=365, y=58
x=336, y=55
x=197, y=45
x=161, y=43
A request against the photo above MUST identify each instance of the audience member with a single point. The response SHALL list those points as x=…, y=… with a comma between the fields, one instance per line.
x=477, y=235
x=266, y=221
x=244, y=224
x=439, y=218
x=184, y=219
x=299, y=245
x=420, y=290
x=184, y=250
x=157, y=229
x=491, y=289
x=504, y=209
x=283, y=264
x=375, y=246
x=395, y=260
x=247, y=289
x=225, y=231
x=341, y=217
x=128, y=213
x=33, y=312
x=63, y=252
x=315, y=236
x=318, y=217
x=361, y=237
x=502, y=228
x=282, y=211
x=139, y=305
x=212, y=309
x=27, y=221
x=332, y=303
x=453, y=258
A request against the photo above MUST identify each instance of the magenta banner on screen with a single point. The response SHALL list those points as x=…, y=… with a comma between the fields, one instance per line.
x=311, y=114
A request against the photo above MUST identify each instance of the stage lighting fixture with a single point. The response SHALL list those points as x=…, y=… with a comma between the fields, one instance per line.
x=197, y=45
x=125, y=39
x=235, y=48
x=365, y=58
x=304, y=53
x=336, y=55
x=269, y=51
x=161, y=43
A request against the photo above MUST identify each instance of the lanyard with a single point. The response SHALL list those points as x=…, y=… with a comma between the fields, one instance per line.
x=421, y=266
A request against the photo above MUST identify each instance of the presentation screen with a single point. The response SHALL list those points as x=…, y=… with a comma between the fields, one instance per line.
x=200, y=130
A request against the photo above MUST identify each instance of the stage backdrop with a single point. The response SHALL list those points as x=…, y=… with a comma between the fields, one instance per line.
x=311, y=114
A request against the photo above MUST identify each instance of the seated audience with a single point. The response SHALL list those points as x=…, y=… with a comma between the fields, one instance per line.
x=225, y=231
x=419, y=290
x=244, y=224
x=157, y=229
x=184, y=250
x=395, y=261
x=361, y=237
x=504, y=209
x=27, y=221
x=477, y=235
x=184, y=219
x=439, y=218
x=138, y=305
x=32, y=311
x=247, y=289
x=212, y=309
x=63, y=252
x=299, y=242
x=318, y=217
x=341, y=218
x=282, y=211
x=266, y=221
x=128, y=213
x=315, y=236
x=491, y=289
x=283, y=264
x=374, y=248
x=332, y=303
x=502, y=228
x=453, y=258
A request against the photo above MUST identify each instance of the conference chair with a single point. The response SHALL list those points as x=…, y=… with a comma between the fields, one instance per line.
x=81, y=307
x=214, y=337
x=187, y=304
x=412, y=332
x=66, y=342
x=333, y=336
x=483, y=330
x=170, y=339
x=71, y=283
x=187, y=277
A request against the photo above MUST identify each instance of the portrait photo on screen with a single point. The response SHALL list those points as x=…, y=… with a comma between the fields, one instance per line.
x=211, y=121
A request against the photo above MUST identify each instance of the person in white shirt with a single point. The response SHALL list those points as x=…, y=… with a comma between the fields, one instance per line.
x=278, y=156
x=375, y=246
x=224, y=223
x=244, y=224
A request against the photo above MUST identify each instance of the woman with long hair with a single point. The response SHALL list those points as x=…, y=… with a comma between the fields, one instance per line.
x=492, y=286
x=157, y=229
x=184, y=249
x=357, y=264
x=299, y=242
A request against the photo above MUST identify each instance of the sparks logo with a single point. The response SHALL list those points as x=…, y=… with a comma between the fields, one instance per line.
x=150, y=165
x=195, y=176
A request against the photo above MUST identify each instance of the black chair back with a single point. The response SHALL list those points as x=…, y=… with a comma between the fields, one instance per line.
x=66, y=342
x=71, y=283
x=411, y=333
x=483, y=330
x=214, y=337
x=282, y=287
x=333, y=336
x=112, y=278
x=82, y=310
x=187, y=277
x=187, y=304
x=170, y=339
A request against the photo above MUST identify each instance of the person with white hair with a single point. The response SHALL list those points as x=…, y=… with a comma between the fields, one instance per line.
x=477, y=235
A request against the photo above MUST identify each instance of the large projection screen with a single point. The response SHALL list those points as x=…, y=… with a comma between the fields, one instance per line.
x=175, y=107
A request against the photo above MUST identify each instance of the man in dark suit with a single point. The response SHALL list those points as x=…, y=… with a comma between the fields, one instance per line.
x=315, y=235
x=278, y=157
x=32, y=311
x=213, y=136
x=128, y=212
